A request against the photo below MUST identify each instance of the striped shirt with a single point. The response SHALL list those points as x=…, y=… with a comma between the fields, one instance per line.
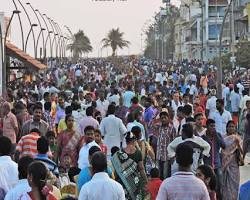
x=183, y=185
x=27, y=145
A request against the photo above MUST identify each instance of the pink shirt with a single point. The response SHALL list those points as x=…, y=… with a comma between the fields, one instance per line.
x=9, y=125
x=183, y=185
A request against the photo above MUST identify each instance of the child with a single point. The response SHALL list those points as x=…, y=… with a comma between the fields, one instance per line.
x=154, y=183
x=98, y=140
x=207, y=175
x=51, y=136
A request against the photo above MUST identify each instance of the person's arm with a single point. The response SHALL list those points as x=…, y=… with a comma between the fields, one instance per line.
x=205, y=145
x=221, y=141
x=172, y=147
x=142, y=171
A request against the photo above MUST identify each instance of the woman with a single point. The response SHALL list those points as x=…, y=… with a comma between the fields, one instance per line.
x=130, y=170
x=69, y=142
x=231, y=159
x=37, y=179
x=207, y=175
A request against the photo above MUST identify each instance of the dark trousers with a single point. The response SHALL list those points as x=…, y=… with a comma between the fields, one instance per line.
x=164, y=169
x=218, y=173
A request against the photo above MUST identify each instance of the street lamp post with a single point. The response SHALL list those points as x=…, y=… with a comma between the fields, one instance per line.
x=4, y=69
x=41, y=29
x=31, y=28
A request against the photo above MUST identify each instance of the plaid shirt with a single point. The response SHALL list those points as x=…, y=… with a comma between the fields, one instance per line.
x=48, y=118
x=166, y=135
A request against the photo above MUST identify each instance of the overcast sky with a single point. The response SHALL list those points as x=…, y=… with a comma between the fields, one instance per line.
x=94, y=17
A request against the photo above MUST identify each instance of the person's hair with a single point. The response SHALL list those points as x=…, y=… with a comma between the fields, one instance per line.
x=99, y=162
x=163, y=113
x=111, y=109
x=93, y=149
x=187, y=129
x=208, y=172
x=68, y=110
x=67, y=117
x=198, y=115
x=190, y=119
x=50, y=134
x=187, y=109
x=73, y=171
x=210, y=121
x=180, y=109
x=39, y=104
x=75, y=106
x=47, y=106
x=35, y=130
x=23, y=164
x=114, y=149
x=154, y=173
x=244, y=92
x=220, y=101
x=42, y=145
x=45, y=95
x=184, y=155
x=5, y=146
x=69, y=198
x=39, y=173
x=130, y=117
x=230, y=122
x=37, y=107
x=130, y=137
x=89, y=128
x=89, y=111
x=136, y=130
x=135, y=100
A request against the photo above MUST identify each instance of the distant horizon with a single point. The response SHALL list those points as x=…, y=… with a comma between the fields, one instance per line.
x=94, y=17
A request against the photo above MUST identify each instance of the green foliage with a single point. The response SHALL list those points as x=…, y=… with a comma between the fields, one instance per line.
x=243, y=54
x=80, y=44
x=115, y=40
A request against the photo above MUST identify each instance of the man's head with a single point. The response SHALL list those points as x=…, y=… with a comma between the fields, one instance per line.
x=46, y=96
x=99, y=162
x=51, y=136
x=179, y=113
x=220, y=104
x=47, y=106
x=98, y=136
x=187, y=110
x=176, y=96
x=37, y=112
x=101, y=95
x=5, y=146
x=164, y=118
x=154, y=173
x=93, y=150
x=89, y=134
x=134, y=100
x=23, y=164
x=89, y=111
x=210, y=126
x=136, y=130
x=184, y=155
x=6, y=108
x=61, y=101
x=186, y=98
x=111, y=109
x=198, y=119
x=187, y=131
x=42, y=145
x=148, y=102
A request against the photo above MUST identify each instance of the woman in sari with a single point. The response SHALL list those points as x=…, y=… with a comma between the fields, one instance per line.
x=129, y=169
x=69, y=143
x=231, y=159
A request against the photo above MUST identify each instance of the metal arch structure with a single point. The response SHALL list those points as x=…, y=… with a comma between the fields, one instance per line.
x=54, y=39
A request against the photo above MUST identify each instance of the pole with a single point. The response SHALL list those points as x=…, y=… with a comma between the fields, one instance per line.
x=202, y=26
x=219, y=70
x=27, y=40
x=2, y=59
x=233, y=38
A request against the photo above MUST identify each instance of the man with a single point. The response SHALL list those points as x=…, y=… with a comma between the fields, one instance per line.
x=244, y=99
x=127, y=96
x=60, y=110
x=211, y=103
x=88, y=120
x=179, y=120
x=183, y=184
x=214, y=159
x=10, y=125
x=36, y=122
x=221, y=117
x=8, y=168
x=42, y=149
x=226, y=95
x=27, y=145
x=102, y=104
x=46, y=98
x=175, y=103
x=101, y=186
x=22, y=186
x=89, y=138
x=113, y=129
x=47, y=117
x=166, y=134
x=199, y=130
x=235, y=104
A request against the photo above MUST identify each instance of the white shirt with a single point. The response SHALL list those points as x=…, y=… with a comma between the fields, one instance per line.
x=241, y=88
x=102, y=106
x=225, y=95
x=83, y=160
x=175, y=106
x=193, y=90
x=243, y=101
x=8, y=173
x=113, y=130
x=102, y=187
x=114, y=98
x=221, y=121
x=211, y=104
x=21, y=187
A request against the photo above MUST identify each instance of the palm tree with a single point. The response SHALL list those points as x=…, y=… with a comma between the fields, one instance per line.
x=115, y=40
x=80, y=44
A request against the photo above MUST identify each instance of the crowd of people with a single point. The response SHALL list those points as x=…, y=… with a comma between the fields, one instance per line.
x=130, y=128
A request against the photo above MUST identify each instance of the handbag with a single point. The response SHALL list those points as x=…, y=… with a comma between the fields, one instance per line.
x=239, y=158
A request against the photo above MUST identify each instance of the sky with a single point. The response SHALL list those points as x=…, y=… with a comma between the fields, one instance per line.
x=94, y=17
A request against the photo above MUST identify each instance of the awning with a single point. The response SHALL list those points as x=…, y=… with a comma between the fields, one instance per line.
x=14, y=51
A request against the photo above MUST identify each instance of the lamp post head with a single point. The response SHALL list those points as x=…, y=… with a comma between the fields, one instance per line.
x=28, y=3
x=36, y=10
x=33, y=25
x=56, y=34
x=50, y=32
x=16, y=11
x=43, y=29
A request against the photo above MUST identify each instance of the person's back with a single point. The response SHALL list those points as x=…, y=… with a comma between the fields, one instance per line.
x=101, y=186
